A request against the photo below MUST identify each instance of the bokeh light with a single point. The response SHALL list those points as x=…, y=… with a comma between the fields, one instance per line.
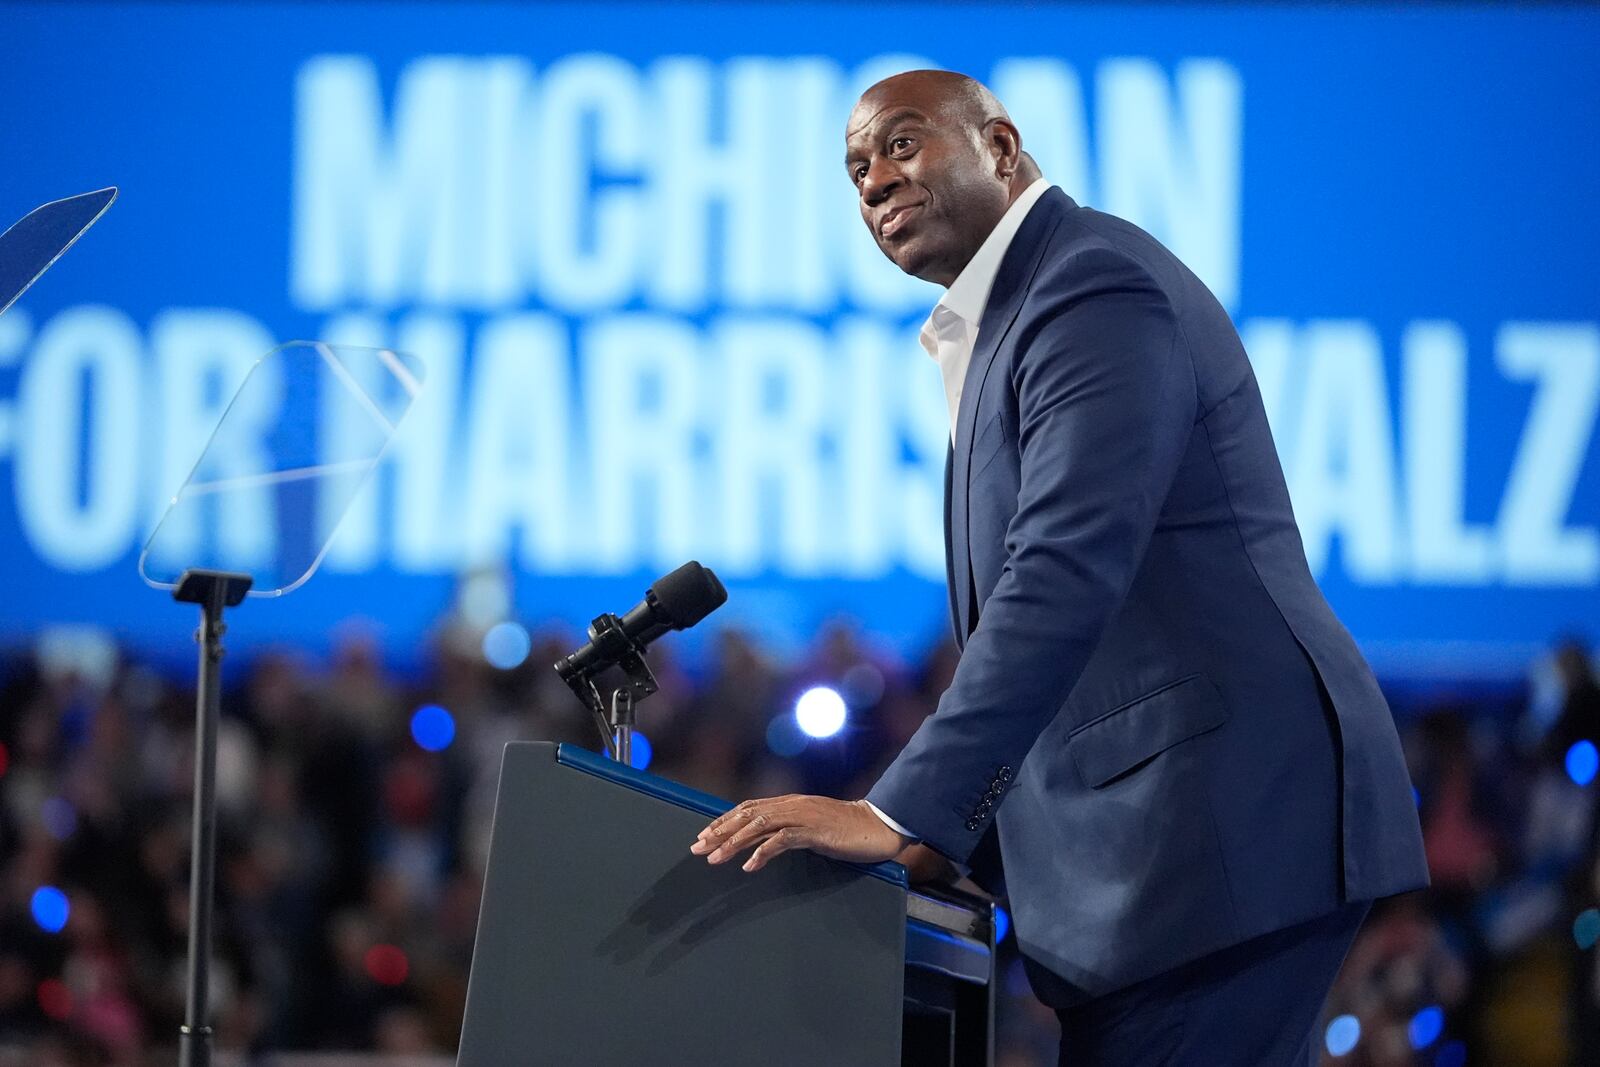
x=484, y=597
x=506, y=645
x=60, y=818
x=1002, y=924
x=55, y=999
x=863, y=685
x=820, y=711
x=433, y=728
x=1583, y=759
x=1586, y=928
x=5, y=758
x=50, y=908
x=639, y=755
x=1342, y=1035
x=784, y=736
x=387, y=964
x=1426, y=1026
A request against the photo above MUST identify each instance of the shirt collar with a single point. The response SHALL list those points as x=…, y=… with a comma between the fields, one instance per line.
x=969, y=293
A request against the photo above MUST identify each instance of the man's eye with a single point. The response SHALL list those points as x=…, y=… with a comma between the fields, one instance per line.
x=894, y=145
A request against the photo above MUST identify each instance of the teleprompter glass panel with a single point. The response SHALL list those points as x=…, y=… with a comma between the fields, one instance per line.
x=295, y=445
x=38, y=239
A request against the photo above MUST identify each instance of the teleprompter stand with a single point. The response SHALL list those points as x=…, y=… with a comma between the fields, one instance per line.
x=213, y=591
x=336, y=409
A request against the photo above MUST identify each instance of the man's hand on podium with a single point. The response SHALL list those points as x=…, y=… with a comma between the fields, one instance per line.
x=839, y=829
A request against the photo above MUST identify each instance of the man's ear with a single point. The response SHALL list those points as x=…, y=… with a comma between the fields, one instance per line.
x=1005, y=144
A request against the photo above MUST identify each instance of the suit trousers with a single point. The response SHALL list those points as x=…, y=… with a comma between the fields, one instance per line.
x=1255, y=1004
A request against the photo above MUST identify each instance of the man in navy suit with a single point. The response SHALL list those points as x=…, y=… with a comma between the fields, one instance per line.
x=1158, y=736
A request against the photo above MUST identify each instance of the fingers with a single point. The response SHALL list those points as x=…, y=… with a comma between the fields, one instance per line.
x=844, y=830
x=779, y=841
x=723, y=825
x=730, y=822
x=732, y=819
x=747, y=824
x=759, y=826
x=715, y=827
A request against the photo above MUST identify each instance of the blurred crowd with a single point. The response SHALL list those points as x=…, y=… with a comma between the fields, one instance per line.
x=352, y=841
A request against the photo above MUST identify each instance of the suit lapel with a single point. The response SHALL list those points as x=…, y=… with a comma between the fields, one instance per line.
x=1011, y=284
x=950, y=555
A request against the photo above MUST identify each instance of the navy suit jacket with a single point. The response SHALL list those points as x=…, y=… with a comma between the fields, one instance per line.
x=1156, y=717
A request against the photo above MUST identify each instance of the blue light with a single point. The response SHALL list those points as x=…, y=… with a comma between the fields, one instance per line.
x=506, y=645
x=639, y=755
x=1586, y=928
x=50, y=909
x=1426, y=1026
x=784, y=737
x=1453, y=1054
x=1342, y=1035
x=1002, y=925
x=820, y=711
x=433, y=728
x=1416, y=796
x=1582, y=761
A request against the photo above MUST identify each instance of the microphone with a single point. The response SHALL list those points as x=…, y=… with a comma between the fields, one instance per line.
x=675, y=602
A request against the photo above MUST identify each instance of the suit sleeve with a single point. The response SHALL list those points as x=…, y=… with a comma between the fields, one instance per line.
x=1106, y=405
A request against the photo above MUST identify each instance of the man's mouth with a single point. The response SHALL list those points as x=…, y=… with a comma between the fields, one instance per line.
x=897, y=220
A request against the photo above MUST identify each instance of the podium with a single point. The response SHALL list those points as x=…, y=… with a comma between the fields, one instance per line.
x=603, y=942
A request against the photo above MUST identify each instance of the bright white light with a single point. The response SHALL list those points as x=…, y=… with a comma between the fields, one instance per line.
x=820, y=711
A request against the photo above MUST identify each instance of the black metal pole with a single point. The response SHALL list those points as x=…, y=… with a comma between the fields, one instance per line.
x=194, y=1049
x=213, y=591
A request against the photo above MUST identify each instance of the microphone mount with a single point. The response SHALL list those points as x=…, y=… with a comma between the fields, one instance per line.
x=616, y=723
x=675, y=601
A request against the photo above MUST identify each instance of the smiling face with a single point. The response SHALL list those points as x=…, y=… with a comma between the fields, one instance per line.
x=936, y=163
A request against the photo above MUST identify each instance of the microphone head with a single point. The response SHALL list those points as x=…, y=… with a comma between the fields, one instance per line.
x=687, y=595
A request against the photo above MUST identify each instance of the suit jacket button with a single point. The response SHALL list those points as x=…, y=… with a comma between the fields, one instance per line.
x=1005, y=774
x=973, y=823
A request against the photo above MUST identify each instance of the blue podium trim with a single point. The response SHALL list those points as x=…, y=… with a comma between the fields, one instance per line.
x=582, y=759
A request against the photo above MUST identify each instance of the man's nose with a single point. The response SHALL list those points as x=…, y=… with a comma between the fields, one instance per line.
x=881, y=179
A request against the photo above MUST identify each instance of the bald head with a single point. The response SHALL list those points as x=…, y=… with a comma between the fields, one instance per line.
x=953, y=96
x=936, y=161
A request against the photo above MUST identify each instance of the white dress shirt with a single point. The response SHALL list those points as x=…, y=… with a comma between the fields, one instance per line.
x=951, y=333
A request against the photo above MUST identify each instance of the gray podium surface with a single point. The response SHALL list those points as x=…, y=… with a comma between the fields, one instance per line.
x=602, y=941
